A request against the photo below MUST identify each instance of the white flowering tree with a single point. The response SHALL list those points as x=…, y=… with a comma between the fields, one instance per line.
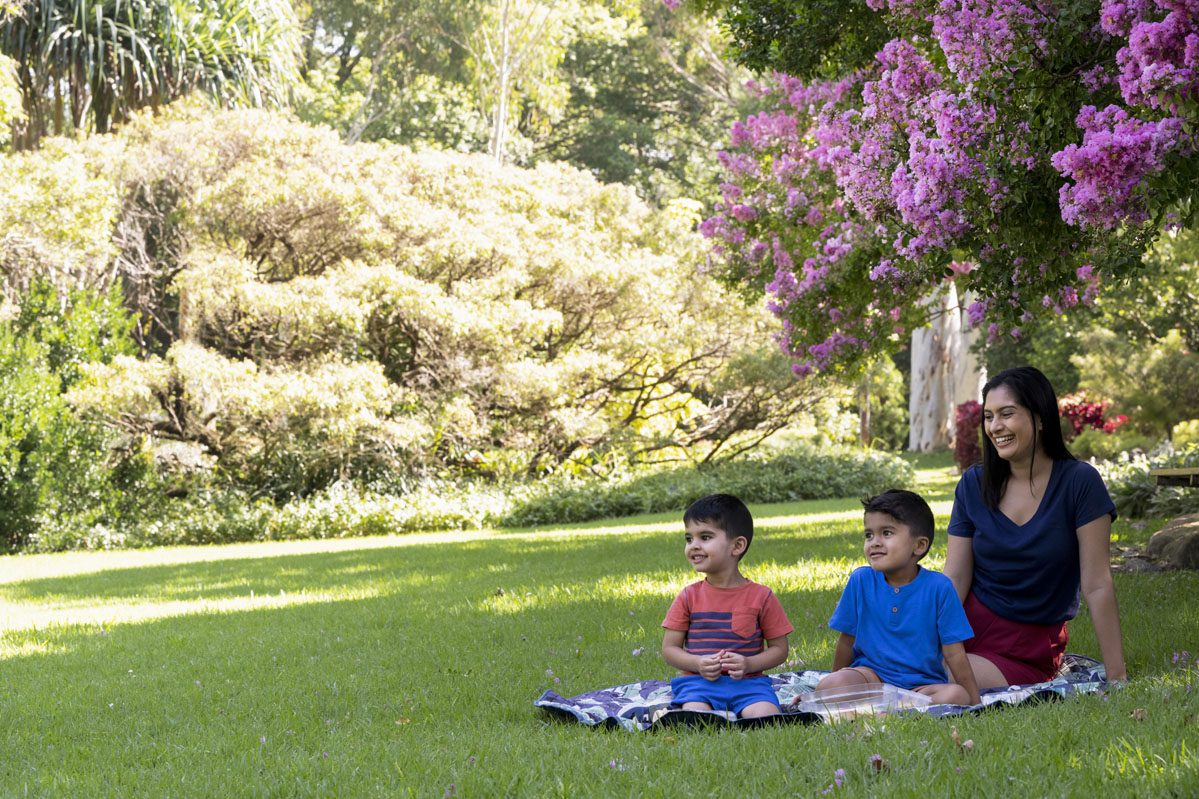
x=310, y=309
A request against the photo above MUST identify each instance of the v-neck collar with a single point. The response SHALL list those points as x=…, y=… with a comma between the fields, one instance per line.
x=1040, y=504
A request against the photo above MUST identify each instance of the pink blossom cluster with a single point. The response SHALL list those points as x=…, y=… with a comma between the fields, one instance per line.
x=1161, y=60
x=979, y=35
x=1122, y=151
x=904, y=107
x=1110, y=167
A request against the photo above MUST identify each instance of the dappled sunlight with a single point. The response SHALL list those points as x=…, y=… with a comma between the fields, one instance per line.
x=55, y=610
x=804, y=576
x=17, y=568
x=14, y=617
x=799, y=520
x=659, y=587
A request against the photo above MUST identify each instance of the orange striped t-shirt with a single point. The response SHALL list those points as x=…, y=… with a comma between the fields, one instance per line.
x=737, y=619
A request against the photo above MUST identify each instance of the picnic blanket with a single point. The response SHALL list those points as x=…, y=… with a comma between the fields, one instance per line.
x=632, y=706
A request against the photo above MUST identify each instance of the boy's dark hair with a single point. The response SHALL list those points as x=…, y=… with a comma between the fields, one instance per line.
x=906, y=507
x=726, y=512
x=1034, y=391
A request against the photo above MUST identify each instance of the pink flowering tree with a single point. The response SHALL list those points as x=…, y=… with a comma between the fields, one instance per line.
x=1028, y=151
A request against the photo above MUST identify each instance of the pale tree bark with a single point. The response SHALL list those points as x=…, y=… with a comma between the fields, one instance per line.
x=509, y=51
x=969, y=373
x=945, y=372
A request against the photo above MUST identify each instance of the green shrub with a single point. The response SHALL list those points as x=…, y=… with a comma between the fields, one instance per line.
x=209, y=516
x=1136, y=492
x=212, y=516
x=1185, y=433
x=1092, y=443
x=800, y=474
x=57, y=470
x=30, y=410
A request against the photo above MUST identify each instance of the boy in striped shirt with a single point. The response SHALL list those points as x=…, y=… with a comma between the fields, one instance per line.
x=725, y=630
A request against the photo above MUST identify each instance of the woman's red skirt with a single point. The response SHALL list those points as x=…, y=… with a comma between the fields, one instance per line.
x=1024, y=653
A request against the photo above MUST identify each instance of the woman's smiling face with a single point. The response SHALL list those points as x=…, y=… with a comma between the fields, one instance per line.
x=1010, y=425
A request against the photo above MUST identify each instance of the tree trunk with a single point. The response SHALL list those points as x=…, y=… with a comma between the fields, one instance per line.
x=504, y=78
x=944, y=373
x=864, y=435
x=969, y=374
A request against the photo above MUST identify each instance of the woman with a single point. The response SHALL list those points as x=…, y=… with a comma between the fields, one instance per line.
x=1030, y=526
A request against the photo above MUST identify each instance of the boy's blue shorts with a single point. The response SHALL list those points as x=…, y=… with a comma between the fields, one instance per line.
x=723, y=693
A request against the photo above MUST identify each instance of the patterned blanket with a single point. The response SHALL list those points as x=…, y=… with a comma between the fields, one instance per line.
x=633, y=706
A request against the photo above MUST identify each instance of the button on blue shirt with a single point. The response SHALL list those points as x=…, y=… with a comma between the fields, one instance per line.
x=899, y=633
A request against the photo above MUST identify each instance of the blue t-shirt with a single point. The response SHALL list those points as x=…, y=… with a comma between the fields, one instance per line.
x=1030, y=573
x=899, y=632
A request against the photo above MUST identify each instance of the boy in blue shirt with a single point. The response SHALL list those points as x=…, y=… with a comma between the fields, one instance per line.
x=899, y=622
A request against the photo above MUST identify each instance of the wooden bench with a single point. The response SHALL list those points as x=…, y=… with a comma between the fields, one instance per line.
x=1186, y=476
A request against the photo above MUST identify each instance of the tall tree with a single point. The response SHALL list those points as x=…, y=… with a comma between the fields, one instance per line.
x=650, y=91
x=97, y=61
x=377, y=69
x=514, y=42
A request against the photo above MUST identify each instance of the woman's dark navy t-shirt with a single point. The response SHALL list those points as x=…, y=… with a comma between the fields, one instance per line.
x=1030, y=573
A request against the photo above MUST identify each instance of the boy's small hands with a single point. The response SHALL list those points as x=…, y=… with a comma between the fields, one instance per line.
x=733, y=664
x=709, y=666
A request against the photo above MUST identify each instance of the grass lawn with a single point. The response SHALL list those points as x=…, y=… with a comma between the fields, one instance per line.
x=408, y=666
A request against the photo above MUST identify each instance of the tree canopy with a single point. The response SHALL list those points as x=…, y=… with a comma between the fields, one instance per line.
x=1030, y=152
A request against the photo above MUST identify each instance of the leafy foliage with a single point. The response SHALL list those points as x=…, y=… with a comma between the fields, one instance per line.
x=1152, y=381
x=629, y=91
x=804, y=38
x=208, y=516
x=10, y=97
x=967, y=432
x=54, y=466
x=1084, y=413
x=880, y=405
x=100, y=60
x=802, y=474
x=310, y=312
x=1136, y=492
x=1098, y=444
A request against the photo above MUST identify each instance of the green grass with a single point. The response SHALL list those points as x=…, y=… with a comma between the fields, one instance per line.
x=404, y=666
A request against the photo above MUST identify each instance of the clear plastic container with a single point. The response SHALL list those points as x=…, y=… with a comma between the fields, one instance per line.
x=875, y=699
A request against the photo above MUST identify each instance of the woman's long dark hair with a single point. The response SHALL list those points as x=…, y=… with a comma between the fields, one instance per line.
x=1034, y=391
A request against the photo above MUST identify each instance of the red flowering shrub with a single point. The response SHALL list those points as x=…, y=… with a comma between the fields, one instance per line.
x=1083, y=413
x=1113, y=424
x=966, y=451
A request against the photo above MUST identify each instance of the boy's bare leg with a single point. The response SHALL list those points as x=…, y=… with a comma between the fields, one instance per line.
x=850, y=677
x=758, y=710
x=945, y=694
x=696, y=706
